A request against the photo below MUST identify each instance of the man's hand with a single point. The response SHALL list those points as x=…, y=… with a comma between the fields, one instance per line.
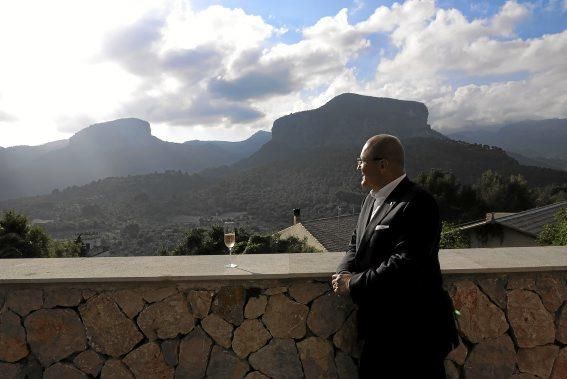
x=341, y=283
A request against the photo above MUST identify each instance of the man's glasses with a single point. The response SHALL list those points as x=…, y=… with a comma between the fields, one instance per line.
x=360, y=161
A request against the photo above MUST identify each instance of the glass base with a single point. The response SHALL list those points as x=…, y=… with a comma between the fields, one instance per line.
x=231, y=265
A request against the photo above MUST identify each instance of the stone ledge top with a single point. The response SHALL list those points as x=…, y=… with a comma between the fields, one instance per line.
x=262, y=266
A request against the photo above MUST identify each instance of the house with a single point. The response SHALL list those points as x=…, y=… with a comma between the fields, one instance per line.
x=330, y=234
x=511, y=229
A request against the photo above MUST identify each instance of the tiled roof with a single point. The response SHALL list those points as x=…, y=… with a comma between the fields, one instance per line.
x=333, y=233
x=532, y=221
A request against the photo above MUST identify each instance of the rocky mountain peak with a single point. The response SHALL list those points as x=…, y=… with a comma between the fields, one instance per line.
x=351, y=119
x=121, y=132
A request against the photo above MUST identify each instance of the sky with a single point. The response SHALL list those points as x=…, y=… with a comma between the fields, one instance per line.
x=224, y=70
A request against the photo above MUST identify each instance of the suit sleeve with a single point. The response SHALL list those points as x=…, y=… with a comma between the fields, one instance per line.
x=347, y=264
x=413, y=249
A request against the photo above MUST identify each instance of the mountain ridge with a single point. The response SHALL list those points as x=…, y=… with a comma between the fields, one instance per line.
x=115, y=148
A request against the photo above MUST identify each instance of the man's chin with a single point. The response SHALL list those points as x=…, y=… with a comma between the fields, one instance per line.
x=364, y=184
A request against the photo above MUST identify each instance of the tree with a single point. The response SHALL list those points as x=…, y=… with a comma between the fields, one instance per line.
x=63, y=249
x=555, y=233
x=19, y=239
x=491, y=190
x=130, y=231
x=518, y=197
x=453, y=238
x=201, y=241
x=510, y=194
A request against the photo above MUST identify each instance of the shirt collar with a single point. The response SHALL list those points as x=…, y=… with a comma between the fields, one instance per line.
x=385, y=191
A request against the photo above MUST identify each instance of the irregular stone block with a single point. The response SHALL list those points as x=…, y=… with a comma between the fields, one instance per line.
x=194, y=353
x=531, y=323
x=328, y=313
x=249, y=337
x=54, y=334
x=275, y=291
x=305, y=292
x=152, y=295
x=346, y=368
x=88, y=293
x=255, y=307
x=89, y=362
x=10, y=371
x=480, y=319
x=522, y=375
x=24, y=301
x=459, y=354
x=129, y=300
x=561, y=334
x=170, y=351
x=285, y=318
x=256, y=375
x=491, y=359
x=495, y=288
x=63, y=297
x=61, y=370
x=13, y=345
x=147, y=362
x=220, y=330
x=166, y=319
x=451, y=370
x=346, y=338
x=229, y=304
x=109, y=330
x=279, y=359
x=115, y=369
x=560, y=365
x=224, y=364
x=317, y=359
x=521, y=283
x=538, y=360
x=551, y=291
x=200, y=302
x=31, y=369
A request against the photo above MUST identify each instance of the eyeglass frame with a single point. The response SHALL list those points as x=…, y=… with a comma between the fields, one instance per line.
x=360, y=161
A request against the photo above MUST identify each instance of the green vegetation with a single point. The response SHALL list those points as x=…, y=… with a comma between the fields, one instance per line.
x=453, y=238
x=201, y=241
x=19, y=239
x=491, y=193
x=555, y=234
x=141, y=215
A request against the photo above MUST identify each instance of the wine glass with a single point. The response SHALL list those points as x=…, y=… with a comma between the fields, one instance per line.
x=229, y=241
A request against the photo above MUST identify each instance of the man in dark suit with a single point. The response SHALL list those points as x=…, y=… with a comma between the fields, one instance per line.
x=391, y=271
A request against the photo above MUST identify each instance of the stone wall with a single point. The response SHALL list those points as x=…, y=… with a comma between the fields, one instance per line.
x=512, y=325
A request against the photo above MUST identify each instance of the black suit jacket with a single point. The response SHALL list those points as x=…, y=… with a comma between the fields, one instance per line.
x=396, y=280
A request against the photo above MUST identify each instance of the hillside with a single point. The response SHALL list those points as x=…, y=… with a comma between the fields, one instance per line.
x=117, y=148
x=542, y=141
x=313, y=171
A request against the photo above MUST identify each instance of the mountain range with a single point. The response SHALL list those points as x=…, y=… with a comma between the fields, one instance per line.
x=536, y=143
x=308, y=163
x=111, y=149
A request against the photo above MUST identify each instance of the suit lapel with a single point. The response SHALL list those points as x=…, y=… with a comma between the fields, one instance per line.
x=389, y=203
x=364, y=213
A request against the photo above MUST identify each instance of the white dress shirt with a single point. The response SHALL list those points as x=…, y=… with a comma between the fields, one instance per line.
x=383, y=193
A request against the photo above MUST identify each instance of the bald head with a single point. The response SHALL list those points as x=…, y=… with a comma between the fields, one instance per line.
x=383, y=157
x=387, y=147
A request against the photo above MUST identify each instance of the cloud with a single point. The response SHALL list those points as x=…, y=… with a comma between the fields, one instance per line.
x=7, y=117
x=73, y=123
x=191, y=110
x=506, y=20
x=218, y=67
x=267, y=81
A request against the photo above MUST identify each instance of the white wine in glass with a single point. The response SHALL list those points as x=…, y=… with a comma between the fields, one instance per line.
x=229, y=241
